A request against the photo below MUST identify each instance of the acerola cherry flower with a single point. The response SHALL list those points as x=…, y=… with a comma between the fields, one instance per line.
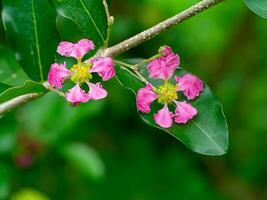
x=81, y=72
x=163, y=67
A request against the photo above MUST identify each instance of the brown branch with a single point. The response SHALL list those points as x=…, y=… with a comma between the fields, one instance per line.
x=17, y=101
x=159, y=28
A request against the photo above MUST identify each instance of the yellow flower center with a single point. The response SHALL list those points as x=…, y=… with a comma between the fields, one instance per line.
x=167, y=93
x=81, y=73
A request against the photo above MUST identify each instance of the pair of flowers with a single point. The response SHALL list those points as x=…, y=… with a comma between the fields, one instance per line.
x=163, y=67
x=81, y=72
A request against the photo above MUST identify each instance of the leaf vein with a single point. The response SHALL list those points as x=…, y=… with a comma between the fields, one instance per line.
x=37, y=42
x=88, y=13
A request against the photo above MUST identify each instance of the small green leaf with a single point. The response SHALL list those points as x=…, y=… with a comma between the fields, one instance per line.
x=257, y=6
x=87, y=19
x=207, y=133
x=9, y=92
x=85, y=159
x=31, y=30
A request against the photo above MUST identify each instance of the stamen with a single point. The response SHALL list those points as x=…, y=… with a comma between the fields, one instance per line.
x=167, y=93
x=81, y=73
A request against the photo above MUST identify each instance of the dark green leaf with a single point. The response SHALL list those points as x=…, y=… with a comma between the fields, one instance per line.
x=9, y=92
x=85, y=159
x=4, y=181
x=82, y=19
x=10, y=71
x=207, y=133
x=2, y=32
x=31, y=31
x=258, y=6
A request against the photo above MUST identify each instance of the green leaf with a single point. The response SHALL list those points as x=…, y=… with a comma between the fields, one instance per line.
x=9, y=92
x=4, y=181
x=257, y=6
x=13, y=80
x=31, y=30
x=10, y=71
x=206, y=134
x=87, y=19
x=85, y=159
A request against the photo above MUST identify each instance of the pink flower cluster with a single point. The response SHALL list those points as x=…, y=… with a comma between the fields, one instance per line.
x=80, y=73
x=163, y=68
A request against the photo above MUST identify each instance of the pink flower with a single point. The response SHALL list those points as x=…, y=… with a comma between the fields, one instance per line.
x=163, y=67
x=76, y=95
x=96, y=91
x=190, y=85
x=76, y=50
x=104, y=66
x=184, y=112
x=164, y=117
x=145, y=96
x=81, y=72
x=167, y=93
x=57, y=74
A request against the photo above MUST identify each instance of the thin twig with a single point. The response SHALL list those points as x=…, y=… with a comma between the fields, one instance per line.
x=110, y=20
x=17, y=101
x=157, y=29
x=23, y=99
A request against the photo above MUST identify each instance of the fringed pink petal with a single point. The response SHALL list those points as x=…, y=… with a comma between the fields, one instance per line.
x=76, y=50
x=96, y=91
x=184, y=112
x=76, y=95
x=164, y=117
x=145, y=96
x=190, y=85
x=57, y=74
x=104, y=66
x=163, y=67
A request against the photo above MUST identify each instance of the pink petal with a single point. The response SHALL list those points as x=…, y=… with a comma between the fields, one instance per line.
x=163, y=67
x=81, y=48
x=65, y=48
x=190, y=85
x=104, y=66
x=57, y=74
x=76, y=50
x=96, y=91
x=164, y=117
x=145, y=96
x=76, y=95
x=184, y=112
x=165, y=50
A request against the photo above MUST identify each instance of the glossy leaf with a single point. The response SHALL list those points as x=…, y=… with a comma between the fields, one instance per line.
x=8, y=92
x=87, y=19
x=85, y=159
x=207, y=133
x=10, y=71
x=31, y=31
x=258, y=6
x=13, y=80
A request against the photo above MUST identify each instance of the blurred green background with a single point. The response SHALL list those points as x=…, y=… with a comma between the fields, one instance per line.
x=102, y=150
